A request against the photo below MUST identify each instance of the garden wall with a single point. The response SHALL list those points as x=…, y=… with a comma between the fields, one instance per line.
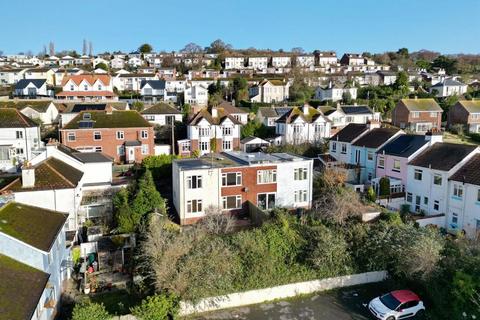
x=281, y=292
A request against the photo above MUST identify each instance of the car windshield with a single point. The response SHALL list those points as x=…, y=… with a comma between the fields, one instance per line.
x=389, y=301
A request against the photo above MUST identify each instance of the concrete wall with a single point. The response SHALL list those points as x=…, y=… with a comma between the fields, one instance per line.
x=281, y=292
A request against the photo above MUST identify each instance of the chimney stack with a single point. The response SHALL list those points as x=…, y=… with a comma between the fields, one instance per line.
x=28, y=175
x=305, y=109
x=214, y=112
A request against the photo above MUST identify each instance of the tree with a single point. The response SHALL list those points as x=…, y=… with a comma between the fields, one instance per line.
x=147, y=199
x=298, y=50
x=240, y=86
x=90, y=311
x=101, y=65
x=347, y=98
x=218, y=46
x=51, y=48
x=138, y=105
x=403, y=52
x=384, y=186
x=145, y=48
x=446, y=63
x=401, y=83
x=192, y=48
x=157, y=307
x=85, y=47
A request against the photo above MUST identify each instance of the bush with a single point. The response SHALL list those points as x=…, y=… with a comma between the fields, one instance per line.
x=371, y=196
x=90, y=311
x=157, y=307
x=475, y=137
x=384, y=186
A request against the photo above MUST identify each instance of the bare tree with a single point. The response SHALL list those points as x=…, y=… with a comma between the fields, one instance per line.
x=90, y=49
x=298, y=50
x=85, y=47
x=216, y=221
x=192, y=48
x=51, y=48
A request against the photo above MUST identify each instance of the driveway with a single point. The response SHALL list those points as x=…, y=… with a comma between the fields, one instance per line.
x=342, y=304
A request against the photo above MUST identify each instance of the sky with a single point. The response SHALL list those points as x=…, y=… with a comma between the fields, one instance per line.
x=447, y=26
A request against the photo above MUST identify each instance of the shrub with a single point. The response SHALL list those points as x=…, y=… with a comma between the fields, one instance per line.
x=371, y=196
x=157, y=307
x=475, y=137
x=384, y=186
x=90, y=311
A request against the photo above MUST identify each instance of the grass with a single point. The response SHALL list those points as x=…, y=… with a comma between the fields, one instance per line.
x=454, y=138
x=117, y=302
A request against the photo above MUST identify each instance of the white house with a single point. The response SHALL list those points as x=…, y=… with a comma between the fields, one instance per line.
x=66, y=61
x=305, y=61
x=162, y=114
x=88, y=87
x=99, y=60
x=301, y=125
x=117, y=63
x=31, y=88
x=175, y=85
x=335, y=92
x=328, y=58
x=152, y=89
x=258, y=63
x=132, y=81
x=281, y=61
x=44, y=110
x=270, y=91
x=11, y=75
x=196, y=95
x=135, y=62
x=234, y=63
x=49, y=74
x=343, y=115
x=448, y=87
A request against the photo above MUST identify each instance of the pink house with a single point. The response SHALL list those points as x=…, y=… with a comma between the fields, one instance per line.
x=393, y=158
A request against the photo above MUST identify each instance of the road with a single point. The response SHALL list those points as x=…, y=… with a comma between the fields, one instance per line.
x=342, y=304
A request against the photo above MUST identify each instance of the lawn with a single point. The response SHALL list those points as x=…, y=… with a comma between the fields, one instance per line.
x=117, y=302
x=453, y=138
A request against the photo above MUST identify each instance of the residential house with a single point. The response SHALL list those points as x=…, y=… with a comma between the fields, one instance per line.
x=269, y=115
x=270, y=91
x=392, y=159
x=448, y=87
x=428, y=174
x=20, y=139
x=132, y=81
x=123, y=135
x=281, y=61
x=44, y=110
x=387, y=78
x=232, y=182
x=175, y=85
x=99, y=60
x=352, y=59
x=463, y=212
x=87, y=87
x=364, y=151
x=135, y=62
x=11, y=75
x=32, y=261
x=71, y=110
x=327, y=58
x=343, y=115
x=302, y=125
x=83, y=60
x=162, y=114
x=417, y=115
x=117, y=63
x=305, y=61
x=340, y=144
x=336, y=92
x=48, y=74
x=152, y=89
x=31, y=89
x=196, y=95
x=467, y=114
x=167, y=73
x=66, y=61
x=253, y=144
x=258, y=63
x=234, y=62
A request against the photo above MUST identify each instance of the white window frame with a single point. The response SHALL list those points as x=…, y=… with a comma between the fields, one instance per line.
x=381, y=162
x=419, y=172
x=70, y=135
x=300, y=174
x=238, y=202
x=94, y=135
x=266, y=176
x=458, y=191
x=198, y=206
x=226, y=145
x=439, y=176
x=120, y=135
x=394, y=167
x=145, y=149
x=238, y=179
x=144, y=134
x=194, y=182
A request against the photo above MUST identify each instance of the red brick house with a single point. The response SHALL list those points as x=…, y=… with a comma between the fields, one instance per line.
x=466, y=113
x=123, y=135
x=417, y=115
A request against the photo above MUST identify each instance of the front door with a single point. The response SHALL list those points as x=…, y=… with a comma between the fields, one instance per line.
x=417, y=203
x=131, y=154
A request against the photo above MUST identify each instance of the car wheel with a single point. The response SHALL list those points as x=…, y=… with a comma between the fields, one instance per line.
x=420, y=314
x=391, y=318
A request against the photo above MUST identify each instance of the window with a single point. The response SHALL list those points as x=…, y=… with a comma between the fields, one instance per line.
x=266, y=176
x=415, y=114
x=226, y=131
x=457, y=191
x=97, y=135
x=144, y=148
x=300, y=173
x=227, y=145
x=344, y=148
x=370, y=156
x=204, y=132
x=19, y=134
x=204, y=146
x=121, y=150
x=425, y=201
x=85, y=87
x=300, y=196
x=231, y=179
x=418, y=174
x=194, y=182
x=319, y=129
x=266, y=201
x=396, y=165
x=71, y=136
x=99, y=87
x=381, y=162
x=369, y=176
x=144, y=134
x=19, y=151
x=478, y=195
x=120, y=135
x=409, y=197
x=437, y=179
x=232, y=202
x=185, y=146
x=72, y=87
x=454, y=218
x=194, y=206
x=436, y=205
x=334, y=147
x=433, y=114
x=357, y=156
x=98, y=149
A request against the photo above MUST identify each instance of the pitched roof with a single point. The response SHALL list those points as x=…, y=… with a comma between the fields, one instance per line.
x=35, y=226
x=421, y=104
x=21, y=288
x=268, y=112
x=38, y=105
x=274, y=82
x=90, y=78
x=161, y=108
x=469, y=172
x=442, y=156
x=23, y=83
x=50, y=174
x=205, y=114
x=404, y=145
x=86, y=94
x=78, y=107
x=115, y=119
x=350, y=132
x=472, y=106
x=155, y=84
x=296, y=112
x=448, y=82
x=12, y=118
x=230, y=108
x=349, y=110
x=376, y=137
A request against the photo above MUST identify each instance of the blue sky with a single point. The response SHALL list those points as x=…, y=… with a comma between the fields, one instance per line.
x=449, y=26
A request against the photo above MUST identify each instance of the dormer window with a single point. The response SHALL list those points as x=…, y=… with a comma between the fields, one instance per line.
x=87, y=116
x=72, y=87
x=85, y=87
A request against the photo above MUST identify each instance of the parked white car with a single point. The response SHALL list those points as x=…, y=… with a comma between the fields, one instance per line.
x=399, y=304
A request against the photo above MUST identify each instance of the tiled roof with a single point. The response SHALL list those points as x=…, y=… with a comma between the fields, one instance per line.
x=38, y=105
x=421, y=104
x=155, y=84
x=269, y=112
x=350, y=132
x=115, y=119
x=86, y=94
x=21, y=288
x=35, y=226
x=404, y=145
x=469, y=172
x=472, y=106
x=295, y=112
x=23, y=83
x=90, y=78
x=376, y=137
x=161, y=108
x=230, y=108
x=442, y=156
x=205, y=114
x=12, y=118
